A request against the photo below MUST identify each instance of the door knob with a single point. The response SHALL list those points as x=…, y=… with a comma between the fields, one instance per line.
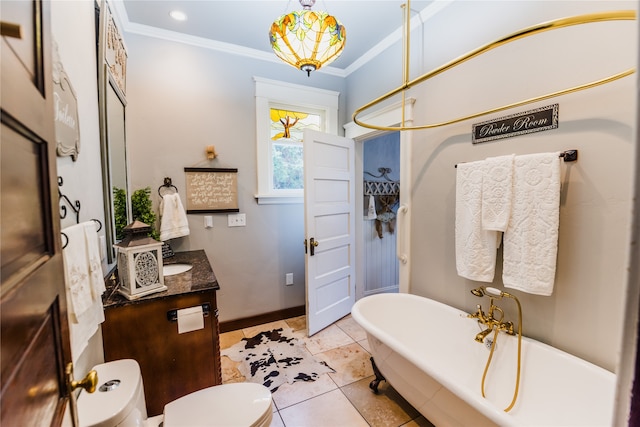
x=89, y=383
x=313, y=243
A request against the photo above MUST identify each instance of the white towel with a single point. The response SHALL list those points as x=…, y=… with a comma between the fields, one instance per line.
x=173, y=221
x=497, y=192
x=531, y=239
x=475, y=248
x=96, y=277
x=85, y=328
x=76, y=263
x=84, y=283
x=371, y=210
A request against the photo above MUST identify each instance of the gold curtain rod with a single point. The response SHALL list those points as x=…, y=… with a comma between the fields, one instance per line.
x=620, y=15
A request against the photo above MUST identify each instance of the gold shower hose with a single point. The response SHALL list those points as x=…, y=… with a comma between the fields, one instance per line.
x=493, y=347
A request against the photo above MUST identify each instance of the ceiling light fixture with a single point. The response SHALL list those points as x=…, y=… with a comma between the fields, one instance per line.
x=178, y=15
x=307, y=39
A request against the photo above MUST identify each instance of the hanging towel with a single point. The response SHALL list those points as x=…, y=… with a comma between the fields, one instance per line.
x=497, y=192
x=475, y=248
x=76, y=264
x=96, y=278
x=371, y=211
x=531, y=239
x=173, y=218
x=84, y=284
x=80, y=332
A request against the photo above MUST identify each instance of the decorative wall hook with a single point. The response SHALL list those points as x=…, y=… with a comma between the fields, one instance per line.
x=211, y=152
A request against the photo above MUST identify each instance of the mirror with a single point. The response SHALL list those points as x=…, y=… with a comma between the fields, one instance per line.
x=112, y=105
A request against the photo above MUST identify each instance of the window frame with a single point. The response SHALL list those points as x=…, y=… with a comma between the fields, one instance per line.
x=276, y=94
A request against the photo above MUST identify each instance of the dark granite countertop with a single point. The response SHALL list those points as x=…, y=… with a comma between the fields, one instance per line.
x=199, y=278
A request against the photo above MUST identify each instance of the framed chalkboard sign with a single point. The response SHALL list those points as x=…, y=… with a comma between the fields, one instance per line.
x=211, y=190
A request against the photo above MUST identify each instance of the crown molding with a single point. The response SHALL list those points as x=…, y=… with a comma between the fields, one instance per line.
x=122, y=20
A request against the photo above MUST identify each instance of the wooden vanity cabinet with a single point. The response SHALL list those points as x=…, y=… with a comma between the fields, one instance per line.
x=172, y=364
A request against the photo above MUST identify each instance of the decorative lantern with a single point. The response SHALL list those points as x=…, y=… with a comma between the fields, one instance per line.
x=139, y=262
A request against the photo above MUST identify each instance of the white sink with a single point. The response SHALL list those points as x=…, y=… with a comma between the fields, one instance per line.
x=171, y=269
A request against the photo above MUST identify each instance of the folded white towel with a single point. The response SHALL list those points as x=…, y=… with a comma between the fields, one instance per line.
x=86, y=326
x=475, y=248
x=96, y=277
x=173, y=221
x=85, y=284
x=76, y=264
x=371, y=210
x=497, y=192
x=531, y=239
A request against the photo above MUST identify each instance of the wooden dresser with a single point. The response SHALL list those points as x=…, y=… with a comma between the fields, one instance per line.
x=146, y=330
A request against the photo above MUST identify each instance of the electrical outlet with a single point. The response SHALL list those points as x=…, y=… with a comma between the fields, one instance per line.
x=208, y=221
x=237, y=220
x=288, y=279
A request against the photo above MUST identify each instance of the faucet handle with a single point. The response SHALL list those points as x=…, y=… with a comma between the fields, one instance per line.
x=479, y=314
x=507, y=327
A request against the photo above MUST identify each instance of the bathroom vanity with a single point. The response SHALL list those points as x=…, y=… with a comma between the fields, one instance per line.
x=146, y=330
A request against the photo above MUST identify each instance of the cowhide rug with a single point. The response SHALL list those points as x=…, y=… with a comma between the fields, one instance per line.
x=274, y=357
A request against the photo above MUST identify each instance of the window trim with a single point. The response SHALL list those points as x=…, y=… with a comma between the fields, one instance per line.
x=295, y=97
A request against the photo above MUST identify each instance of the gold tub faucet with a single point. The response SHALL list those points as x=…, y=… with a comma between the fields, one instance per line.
x=490, y=319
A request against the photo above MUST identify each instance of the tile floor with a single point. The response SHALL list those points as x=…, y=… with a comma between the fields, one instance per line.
x=336, y=399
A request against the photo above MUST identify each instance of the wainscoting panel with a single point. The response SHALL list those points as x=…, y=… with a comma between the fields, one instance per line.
x=381, y=268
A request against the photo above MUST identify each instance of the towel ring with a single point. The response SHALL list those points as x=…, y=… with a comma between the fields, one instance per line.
x=167, y=184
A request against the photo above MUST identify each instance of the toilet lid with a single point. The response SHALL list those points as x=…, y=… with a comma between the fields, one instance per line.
x=237, y=404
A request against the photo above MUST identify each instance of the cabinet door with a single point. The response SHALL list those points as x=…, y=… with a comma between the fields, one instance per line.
x=173, y=365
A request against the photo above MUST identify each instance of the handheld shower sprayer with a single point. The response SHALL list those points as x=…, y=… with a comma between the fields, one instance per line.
x=491, y=292
x=506, y=326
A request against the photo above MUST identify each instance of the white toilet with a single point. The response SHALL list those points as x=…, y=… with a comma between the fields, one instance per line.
x=119, y=401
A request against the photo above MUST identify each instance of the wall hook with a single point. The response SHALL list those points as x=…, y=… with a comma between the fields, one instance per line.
x=211, y=152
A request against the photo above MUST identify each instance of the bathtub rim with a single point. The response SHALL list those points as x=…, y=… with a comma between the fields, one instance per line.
x=473, y=399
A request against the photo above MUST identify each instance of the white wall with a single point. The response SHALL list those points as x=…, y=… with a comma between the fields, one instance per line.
x=183, y=98
x=585, y=314
x=72, y=25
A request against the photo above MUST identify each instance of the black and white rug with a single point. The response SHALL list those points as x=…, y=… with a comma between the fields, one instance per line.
x=274, y=357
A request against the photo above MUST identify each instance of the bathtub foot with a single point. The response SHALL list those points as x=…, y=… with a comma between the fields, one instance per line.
x=373, y=385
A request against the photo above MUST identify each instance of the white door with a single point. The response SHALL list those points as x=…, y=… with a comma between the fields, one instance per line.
x=329, y=211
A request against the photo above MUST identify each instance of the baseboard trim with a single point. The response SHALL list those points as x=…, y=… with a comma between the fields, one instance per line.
x=273, y=316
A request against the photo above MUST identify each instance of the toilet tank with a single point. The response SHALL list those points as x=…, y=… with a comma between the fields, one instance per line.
x=118, y=399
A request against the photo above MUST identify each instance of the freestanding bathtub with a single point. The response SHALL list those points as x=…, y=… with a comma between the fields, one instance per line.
x=427, y=352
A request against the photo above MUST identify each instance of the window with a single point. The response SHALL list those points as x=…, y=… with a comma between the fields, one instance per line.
x=283, y=111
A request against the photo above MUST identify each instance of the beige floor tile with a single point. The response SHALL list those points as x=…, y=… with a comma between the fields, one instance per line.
x=255, y=330
x=330, y=409
x=352, y=328
x=351, y=363
x=327, y=339
x=291, y=394
x=276, y=421
x=387, y=408
x=365, y=344
x=298, y=323
x=230, y=338
x=419, y=422
x=230, y=372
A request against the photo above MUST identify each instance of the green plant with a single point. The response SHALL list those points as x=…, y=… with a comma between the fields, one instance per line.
x=142, y=210
x=120, y=211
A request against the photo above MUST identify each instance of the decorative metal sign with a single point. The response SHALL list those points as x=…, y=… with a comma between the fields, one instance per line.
x=537, y=120
x=65, y=101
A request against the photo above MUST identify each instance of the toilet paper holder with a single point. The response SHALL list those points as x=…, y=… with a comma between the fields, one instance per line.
x=172, y=315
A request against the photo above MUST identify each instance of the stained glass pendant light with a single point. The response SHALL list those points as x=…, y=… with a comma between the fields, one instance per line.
x=307, y=39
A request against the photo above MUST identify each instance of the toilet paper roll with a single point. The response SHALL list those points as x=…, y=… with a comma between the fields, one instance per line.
x=190, y=319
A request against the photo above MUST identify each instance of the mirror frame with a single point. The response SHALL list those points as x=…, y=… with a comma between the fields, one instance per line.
x=107, y=82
